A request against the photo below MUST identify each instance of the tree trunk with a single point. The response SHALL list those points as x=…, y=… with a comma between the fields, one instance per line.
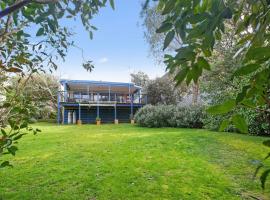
x=195, y=93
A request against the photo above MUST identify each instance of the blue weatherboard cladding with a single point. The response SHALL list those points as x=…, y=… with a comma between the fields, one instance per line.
x=88, y=115
x=69, y=103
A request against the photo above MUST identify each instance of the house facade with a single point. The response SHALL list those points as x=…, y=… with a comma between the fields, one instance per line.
x=82, y=101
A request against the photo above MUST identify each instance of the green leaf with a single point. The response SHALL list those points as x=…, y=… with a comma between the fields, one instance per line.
x=203, y=63
x=263, y=177
x=19, y=34
x=112, y=4
x=223, y=108
x=248, y=103
x=12, y=150
x=240, y=97
x=266, y=143
x=189, y=78
x=40, y=32
x=24, y=125
x=209, y=41
x=91, y=35
x=26, y=35
x=169, y=6
x=196, y=18
x=258, y=53
x=225, y=123
x=181, y=75
x=40, y=19
x=18, y=136
x=4, y=133
x=5, y=164
x=266, y=157
x=240, y=123
x=164, y=28
x=247, y=69
x=52, y=25
x=196, y=72
x=258, y=168
x=185, y=53
x=168, y=39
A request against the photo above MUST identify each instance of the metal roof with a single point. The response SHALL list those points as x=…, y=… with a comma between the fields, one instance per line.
x=99, y=83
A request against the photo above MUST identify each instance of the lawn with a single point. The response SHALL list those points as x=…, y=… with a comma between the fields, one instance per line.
x=114, y=162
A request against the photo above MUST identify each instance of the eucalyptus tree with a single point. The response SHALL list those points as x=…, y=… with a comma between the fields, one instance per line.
x=33, y=36
x=162, y=91
x=42, y=88
x=152, y=19
x=200, y=24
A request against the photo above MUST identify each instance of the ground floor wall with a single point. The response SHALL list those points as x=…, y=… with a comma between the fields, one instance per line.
x=88, y=115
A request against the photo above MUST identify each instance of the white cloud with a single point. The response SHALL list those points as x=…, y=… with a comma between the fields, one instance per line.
x=103, y=60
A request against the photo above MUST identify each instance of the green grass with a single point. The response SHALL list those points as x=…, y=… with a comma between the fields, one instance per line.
x=128, y=162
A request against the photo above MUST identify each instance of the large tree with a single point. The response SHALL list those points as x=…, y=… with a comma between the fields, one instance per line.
x=32, y=37
x=162, y=91
x=140, y=78
x=152, y=19
x=42, y=88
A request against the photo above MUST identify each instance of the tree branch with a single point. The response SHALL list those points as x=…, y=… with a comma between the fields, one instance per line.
x=45, y=1
x=20, y=4
x=13, y=8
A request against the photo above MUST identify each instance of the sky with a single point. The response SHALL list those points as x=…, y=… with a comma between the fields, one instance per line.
x=117, y=49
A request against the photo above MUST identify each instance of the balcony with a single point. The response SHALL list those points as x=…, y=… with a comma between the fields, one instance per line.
x=101, y=98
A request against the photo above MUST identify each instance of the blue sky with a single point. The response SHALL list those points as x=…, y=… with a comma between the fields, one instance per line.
x=117, y=49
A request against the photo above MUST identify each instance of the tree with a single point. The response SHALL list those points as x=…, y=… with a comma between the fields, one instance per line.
x=200, y=24
x=32, y=37
x=140, y=78
x=152, y=20
x=42, y=88
x=162, y=91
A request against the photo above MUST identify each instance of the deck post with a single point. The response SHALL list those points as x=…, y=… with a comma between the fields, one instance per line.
x=115, y=112
x=88, y=93
x=79, y=112
x=97, y=105
x=115, y=115
x=131, y=106
x=79, y=122
x=92, y=95
x=129, y=92
x=63, y=115
x=109, y=92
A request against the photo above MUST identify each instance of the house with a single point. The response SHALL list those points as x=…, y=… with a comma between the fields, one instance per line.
x=83, y=101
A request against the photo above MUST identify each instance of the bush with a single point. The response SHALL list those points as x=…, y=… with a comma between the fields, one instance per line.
x=258, y=123
x=170, y=116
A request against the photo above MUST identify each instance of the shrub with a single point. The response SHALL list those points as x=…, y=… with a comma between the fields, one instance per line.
x=170, y=116
x=258, y=123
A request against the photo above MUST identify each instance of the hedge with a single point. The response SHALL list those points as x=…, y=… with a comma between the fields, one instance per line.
x=170, y=116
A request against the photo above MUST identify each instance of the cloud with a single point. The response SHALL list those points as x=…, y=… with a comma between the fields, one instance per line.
x=103, y=60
